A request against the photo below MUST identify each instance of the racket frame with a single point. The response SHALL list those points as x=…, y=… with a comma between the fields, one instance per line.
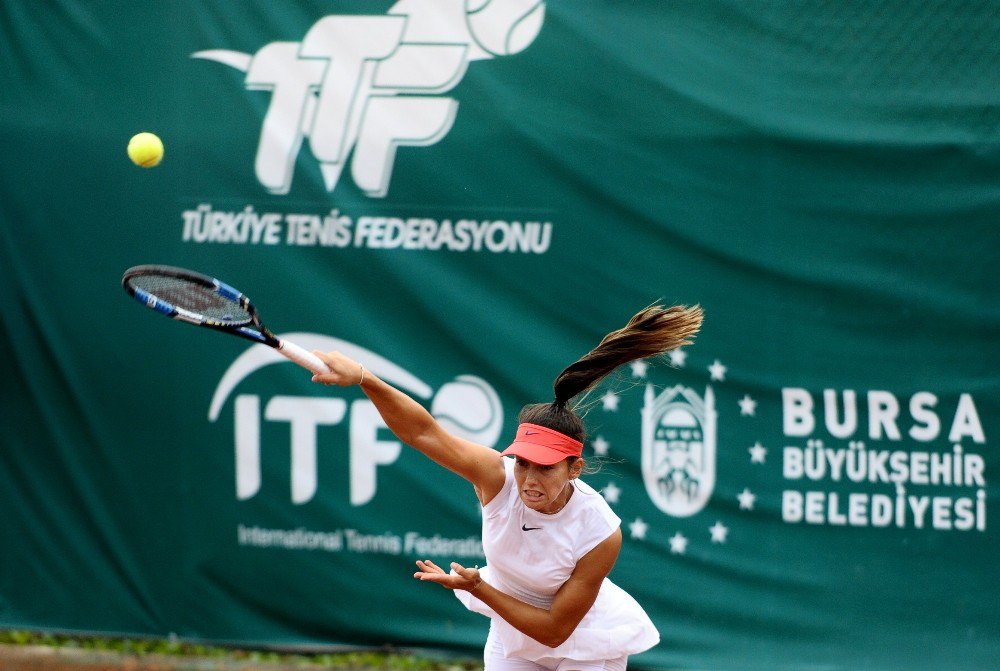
x=251, y=329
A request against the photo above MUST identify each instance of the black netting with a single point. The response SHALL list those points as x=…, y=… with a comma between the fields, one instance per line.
x=191, y=296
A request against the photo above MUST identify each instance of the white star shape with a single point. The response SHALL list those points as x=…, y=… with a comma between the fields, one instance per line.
x=678, y=544
x=748, y=406
x=610, y=401
x=677, y=358
x=639, y=368
x=719, y=532
x=611, y=493
x=746, y=499
x=718, y=371
x=638, y=528
x=757, y=453
x=600, y=446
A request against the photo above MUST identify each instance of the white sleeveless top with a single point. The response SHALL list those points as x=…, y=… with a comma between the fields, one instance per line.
x=530, y=555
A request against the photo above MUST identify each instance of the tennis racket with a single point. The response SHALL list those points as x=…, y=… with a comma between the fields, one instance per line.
x=201, y=300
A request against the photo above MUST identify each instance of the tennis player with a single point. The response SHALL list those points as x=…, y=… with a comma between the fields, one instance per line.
x=550, y=539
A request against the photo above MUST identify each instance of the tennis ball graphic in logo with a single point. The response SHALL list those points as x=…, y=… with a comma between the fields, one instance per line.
x=504, y=27
x=468, y=407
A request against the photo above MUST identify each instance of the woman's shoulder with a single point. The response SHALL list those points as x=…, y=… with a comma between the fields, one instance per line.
x=595, y=507
x=595, y=520
x=502, y=500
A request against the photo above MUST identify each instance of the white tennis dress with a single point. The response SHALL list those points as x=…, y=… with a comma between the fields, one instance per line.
x=530, y=555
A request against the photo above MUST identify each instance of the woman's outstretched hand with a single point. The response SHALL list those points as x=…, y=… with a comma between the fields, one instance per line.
x=459, y=577
x=343, y=371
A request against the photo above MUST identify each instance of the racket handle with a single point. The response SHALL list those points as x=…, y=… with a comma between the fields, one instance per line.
x=302, y=357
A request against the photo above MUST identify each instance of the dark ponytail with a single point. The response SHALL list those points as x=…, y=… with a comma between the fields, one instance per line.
x=654, y=330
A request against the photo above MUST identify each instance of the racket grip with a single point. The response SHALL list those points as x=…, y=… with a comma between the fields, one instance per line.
x=302, y=357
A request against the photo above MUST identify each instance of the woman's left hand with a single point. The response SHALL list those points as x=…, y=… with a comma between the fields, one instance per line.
x=459, y=577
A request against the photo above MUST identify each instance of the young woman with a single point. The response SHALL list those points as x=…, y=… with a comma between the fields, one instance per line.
x=550, y=540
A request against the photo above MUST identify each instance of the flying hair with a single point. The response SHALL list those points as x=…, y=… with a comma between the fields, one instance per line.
x=652, y=331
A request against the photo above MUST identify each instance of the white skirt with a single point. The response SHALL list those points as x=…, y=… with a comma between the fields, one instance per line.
x=616, y=625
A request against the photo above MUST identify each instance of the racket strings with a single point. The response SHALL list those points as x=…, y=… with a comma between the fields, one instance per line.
x=193, y=297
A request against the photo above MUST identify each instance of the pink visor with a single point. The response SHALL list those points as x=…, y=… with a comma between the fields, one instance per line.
x=542, y=445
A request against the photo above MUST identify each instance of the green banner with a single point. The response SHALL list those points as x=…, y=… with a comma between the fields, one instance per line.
x=466, y=196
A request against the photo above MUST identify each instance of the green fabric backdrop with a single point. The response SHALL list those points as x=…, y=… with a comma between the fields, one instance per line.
x=468, y=195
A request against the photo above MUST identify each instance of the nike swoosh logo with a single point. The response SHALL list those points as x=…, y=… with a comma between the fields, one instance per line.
x=531, y=433
x=525, y=527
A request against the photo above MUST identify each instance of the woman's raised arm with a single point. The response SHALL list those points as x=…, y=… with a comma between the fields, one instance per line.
x=414, y=425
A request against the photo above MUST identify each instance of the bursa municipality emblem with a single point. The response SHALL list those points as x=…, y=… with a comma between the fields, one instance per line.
x=678, y=449
x=358, y=87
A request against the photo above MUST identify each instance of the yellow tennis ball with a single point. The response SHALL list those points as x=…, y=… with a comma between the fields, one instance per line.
x=145, y=149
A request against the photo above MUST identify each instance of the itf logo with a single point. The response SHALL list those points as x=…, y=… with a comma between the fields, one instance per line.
x=370, y=84
x=467, y=406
